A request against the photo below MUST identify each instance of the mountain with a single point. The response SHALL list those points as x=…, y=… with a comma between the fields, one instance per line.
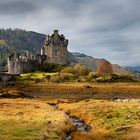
x=92, y=63
x=135, y=68
x=21, y=41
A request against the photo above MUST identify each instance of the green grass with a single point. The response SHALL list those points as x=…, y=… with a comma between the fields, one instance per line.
x=108, y=119
x=36, y=75
x=30, y=120
x=2, y=42
x=33, y=77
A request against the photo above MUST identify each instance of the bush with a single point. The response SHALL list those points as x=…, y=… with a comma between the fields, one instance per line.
x=81, y=70
x=56, y=78
x=68, y=70
x=48, y=67
x=91, y=76
x=123, y=78
x=104, y=67
x=48, y=77
x=94, y=77
x=68, y=76
x=82, y=79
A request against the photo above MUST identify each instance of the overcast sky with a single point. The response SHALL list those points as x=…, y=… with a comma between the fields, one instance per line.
x=101, y=28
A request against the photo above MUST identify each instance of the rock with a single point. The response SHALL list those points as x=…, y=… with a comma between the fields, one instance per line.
x=126, y=100
x=118, y=100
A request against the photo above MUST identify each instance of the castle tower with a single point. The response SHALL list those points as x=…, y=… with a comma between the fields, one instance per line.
x=56, y=48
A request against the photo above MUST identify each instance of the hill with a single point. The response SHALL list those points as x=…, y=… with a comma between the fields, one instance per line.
x=134, y=68
x=19, y=40
x=92, y=63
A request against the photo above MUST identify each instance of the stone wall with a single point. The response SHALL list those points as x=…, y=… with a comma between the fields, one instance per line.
x=14, y=64
x=57, y=54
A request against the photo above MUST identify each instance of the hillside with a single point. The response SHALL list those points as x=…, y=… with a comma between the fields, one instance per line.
x=134, y=68
x=92, y=63
x=19, y=40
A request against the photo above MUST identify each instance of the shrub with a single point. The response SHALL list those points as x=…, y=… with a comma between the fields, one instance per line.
x=91, y=76
x=104, y=67
x=49, y=67
x=123, y=78
x=68, y=76
x=48, y=77
x=68, y=70
x=56, y=78
x=107, y=77
x=82, y=79
x=81, y=70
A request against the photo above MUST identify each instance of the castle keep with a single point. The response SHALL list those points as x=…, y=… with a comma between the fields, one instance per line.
x=54, y=51
x=56, y=48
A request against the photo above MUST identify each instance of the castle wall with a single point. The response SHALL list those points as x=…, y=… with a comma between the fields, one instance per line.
x=57, y=54
x=14, y=64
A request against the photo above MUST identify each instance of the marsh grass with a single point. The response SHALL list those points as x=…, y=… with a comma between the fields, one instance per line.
x=30, y=119
x=109, y=120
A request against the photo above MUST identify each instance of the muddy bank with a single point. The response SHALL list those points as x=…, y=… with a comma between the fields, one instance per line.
x=82, y=91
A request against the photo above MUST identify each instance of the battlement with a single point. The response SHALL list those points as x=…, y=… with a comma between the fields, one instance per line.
x=55, y=39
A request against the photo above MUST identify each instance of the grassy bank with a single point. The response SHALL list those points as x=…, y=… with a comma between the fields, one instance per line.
x=109, y=120
x=30, y=120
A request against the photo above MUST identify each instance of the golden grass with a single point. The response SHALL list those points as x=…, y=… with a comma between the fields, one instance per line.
x=82, y=91
x=109, y=120
x=30, y=119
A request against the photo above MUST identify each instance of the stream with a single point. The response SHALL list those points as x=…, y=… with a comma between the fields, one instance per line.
x=78, y=124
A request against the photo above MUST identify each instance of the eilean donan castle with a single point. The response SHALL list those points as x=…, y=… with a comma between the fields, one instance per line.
x=54, y=51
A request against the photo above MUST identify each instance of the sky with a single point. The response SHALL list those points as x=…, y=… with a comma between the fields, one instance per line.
x=107, y=29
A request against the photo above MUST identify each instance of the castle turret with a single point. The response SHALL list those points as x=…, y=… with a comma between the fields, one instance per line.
x=56, y=48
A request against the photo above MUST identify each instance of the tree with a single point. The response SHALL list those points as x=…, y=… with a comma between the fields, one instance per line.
x=104, y=67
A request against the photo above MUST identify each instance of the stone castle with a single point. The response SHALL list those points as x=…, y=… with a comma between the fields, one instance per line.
x=54, y=51
x=56, y=48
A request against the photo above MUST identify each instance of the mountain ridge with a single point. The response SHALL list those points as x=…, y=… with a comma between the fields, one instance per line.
x=134, y=68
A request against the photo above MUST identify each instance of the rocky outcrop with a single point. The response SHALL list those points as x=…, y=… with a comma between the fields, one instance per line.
x=122, y=70
x=92, y=63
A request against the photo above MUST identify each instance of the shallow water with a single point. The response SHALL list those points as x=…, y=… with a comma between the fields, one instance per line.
x=78, y=124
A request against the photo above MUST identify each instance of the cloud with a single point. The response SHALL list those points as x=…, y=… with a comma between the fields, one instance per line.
x=108, y=29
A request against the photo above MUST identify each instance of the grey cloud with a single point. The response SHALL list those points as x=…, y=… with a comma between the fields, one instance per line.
x=102, y=28
x=16, y=7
